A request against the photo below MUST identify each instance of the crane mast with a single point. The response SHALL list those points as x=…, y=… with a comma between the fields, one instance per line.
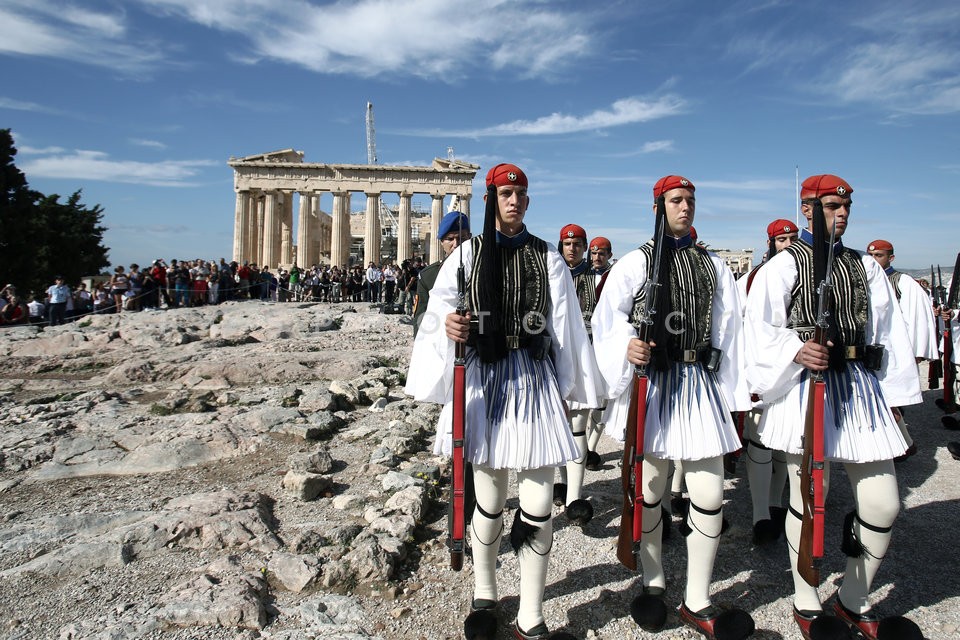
x=371, y=136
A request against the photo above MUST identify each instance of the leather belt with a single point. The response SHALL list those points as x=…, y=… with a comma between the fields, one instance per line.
x=689, y=356
x=853, y=352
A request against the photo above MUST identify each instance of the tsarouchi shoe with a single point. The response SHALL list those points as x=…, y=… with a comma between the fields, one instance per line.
x=817, y=625
x=539, y=632
x=871, y=627
x=719, y=624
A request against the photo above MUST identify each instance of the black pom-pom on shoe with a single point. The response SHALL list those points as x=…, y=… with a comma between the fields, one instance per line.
x=950, y=423
x=765, y=532
x=594, y=461
x=648, y=609
x=580, y=512
x=481, y=624
x=898, y=628
x=954, y=449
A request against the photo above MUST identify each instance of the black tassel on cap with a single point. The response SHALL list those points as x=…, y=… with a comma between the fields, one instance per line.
x=491, y=342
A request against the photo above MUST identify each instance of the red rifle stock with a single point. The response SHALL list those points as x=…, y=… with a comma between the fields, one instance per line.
x=631, y=475
x=631, y=471
x=457, y=516
x=456, y=524
x=810, y=549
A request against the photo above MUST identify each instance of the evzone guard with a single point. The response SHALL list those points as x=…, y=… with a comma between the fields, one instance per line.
x=692, y=363
x=572, y=247
x=527, y=354
x=914, y=304
x=766, y=469
x=867, y=367
x=601, y=251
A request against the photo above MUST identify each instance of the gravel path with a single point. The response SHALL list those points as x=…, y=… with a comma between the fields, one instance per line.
x=587, y=592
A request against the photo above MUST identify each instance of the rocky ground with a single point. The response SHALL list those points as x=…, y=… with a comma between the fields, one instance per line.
x=254, y=471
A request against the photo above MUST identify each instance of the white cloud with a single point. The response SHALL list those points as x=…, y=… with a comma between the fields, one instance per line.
x=900, y=57
x=621, y=112
x=97, y=165
x=36, y=151
x=20, y=105
x=45, y=28
x=425, y=38
x=152, y=144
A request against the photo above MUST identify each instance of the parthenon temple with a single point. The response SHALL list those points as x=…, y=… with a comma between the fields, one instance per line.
x=264, y=231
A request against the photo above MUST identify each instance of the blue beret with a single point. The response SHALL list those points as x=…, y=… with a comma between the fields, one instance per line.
x=449, y=223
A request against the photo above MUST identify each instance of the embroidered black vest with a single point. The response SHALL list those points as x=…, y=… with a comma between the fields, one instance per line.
x=526, y=291
x=850, y=295
x=693, y=282
x=585, y=284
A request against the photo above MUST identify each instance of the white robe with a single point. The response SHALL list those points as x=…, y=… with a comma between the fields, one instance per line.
x=918, y=316
x=674, y=430
x=538, y=434
x=865, y=431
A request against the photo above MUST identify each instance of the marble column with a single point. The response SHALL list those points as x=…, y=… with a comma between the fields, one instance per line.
x=337, y=256
x=286, y=230
x=241, y=226
x=371, y=234
x=404, y=231
x=268, y=236
x=436, y=211
x=317, y=236
x=261, y=217
x=346, y=238
x=303, y=229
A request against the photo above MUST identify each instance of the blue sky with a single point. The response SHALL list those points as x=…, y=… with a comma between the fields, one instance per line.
x=141, y=102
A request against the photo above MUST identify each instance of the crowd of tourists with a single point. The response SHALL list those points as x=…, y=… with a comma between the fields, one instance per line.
x=193, y=283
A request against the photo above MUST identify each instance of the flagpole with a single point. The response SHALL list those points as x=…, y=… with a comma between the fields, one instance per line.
x=796, y=169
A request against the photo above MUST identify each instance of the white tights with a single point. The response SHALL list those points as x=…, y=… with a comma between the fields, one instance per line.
x=877, y=501
x=536, y=499
x=704, y=480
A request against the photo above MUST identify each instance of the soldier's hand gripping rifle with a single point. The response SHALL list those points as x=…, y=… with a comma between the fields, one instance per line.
x=949, y=371
x=631, y=472
x=456, y=518
x=811, y=466
x=936, y=366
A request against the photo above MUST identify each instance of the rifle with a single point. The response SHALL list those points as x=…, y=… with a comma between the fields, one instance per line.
x=631, y=470
x=810, y=549
x=936, y=366
x=949, y=372
x=456, y=519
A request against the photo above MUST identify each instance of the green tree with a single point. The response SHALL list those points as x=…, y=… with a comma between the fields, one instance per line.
x=40, y=236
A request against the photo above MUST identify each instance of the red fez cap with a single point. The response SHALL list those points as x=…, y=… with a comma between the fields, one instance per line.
x=506, y=174
x=573, y=231
x=666, y=183
x=601, y=243
x=824, y=185
x=880, y=245
x=781, y=227
x=693, y=233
